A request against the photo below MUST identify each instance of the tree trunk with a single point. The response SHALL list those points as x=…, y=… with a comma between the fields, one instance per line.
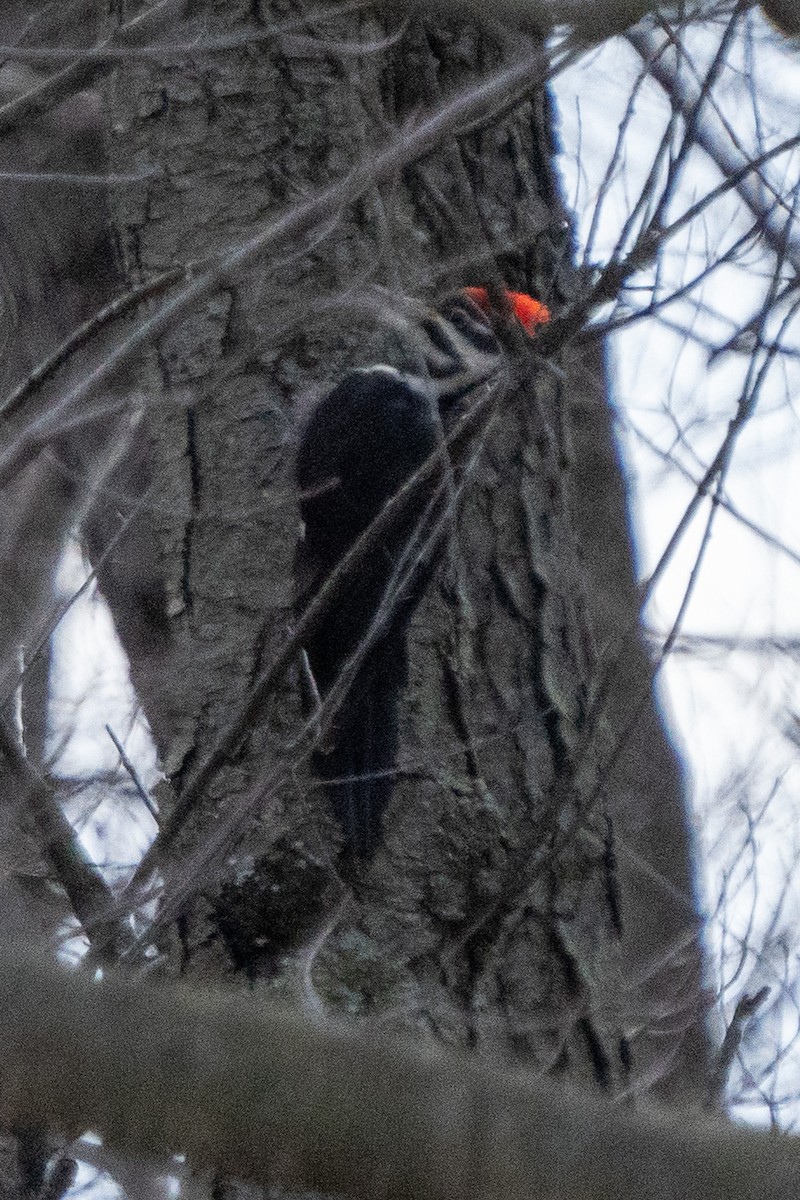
x=534, y=893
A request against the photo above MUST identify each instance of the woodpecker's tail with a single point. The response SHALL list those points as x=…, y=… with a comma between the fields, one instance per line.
x=359, y=770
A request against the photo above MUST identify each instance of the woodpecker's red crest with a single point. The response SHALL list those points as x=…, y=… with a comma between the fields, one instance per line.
x=529, y=312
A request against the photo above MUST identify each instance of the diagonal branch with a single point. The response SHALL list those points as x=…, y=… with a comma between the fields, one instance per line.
x=718, y=139
x=71, y=865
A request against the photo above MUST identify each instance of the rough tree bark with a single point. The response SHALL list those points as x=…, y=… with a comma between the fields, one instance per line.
x=534, y=896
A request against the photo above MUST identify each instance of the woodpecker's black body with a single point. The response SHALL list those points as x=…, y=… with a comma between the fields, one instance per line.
x=362, y=443
x=364, y=440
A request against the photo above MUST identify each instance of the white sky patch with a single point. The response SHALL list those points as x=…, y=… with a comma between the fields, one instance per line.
x=90, y=688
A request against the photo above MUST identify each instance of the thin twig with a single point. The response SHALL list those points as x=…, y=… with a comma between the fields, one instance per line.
x=131, y=769
x=471, y=104
x=745, y=1009
x=85, y=332
x=80, y=72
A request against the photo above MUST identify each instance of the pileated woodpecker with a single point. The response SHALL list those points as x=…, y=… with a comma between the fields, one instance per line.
x=362, y=443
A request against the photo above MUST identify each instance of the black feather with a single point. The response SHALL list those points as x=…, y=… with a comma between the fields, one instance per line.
x=362, y=443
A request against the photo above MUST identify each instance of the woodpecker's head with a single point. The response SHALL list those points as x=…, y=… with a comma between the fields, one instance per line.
x=460, y=345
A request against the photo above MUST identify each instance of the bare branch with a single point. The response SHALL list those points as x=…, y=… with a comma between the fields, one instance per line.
x=51, y=91
x=473, y=104
x=718, y=139
x=744, y=1010
x=259, y=1092
x=71, y=865
x=131, y=769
